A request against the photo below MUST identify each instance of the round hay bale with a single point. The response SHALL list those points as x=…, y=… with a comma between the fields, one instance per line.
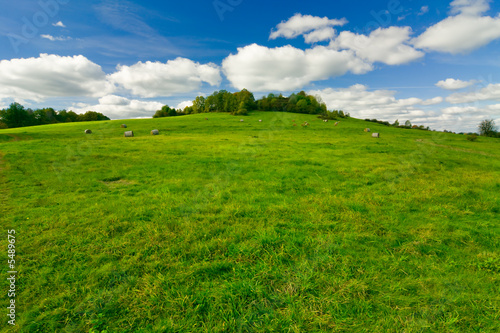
x=155, y=132
x=124, y=126
x=241, y=120
x=260, y=120
x=367, y=130
x=376, y=135
x=87, y=131
x=129, y=134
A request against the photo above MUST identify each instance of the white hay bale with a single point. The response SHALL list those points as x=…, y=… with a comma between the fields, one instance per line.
x=129, y=134
x=87, y=131
x=124, y=126
x=260, y=120
x=241, y=120
x=376, y=135
x=155, y=132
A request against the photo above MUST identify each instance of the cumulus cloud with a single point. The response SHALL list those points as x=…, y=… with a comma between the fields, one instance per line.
x=433, y=101
x=382, y=45
x=362, y=103
x=489, y=93
x=59, y=24
x=52, y=76
x=470, y=7
x=117, y=107
x=319, y=35
x=184, y=104
x=286, y=68
x=302, y=24
x=464, y=32
x=460, y=110
x=383, y=105
x=452, y=84
x=152, y=79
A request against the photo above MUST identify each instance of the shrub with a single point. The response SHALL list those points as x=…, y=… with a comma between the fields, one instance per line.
x=472, y=137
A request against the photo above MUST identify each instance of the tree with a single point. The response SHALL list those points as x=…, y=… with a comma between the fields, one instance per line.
x=92, y=116
x=165, y=111
x=408, y=124
x=199, y=104
x=487, y=128
x=16, y=116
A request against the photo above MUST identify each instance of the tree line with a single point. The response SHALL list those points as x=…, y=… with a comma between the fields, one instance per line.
x=242, y=102
x=17, y=115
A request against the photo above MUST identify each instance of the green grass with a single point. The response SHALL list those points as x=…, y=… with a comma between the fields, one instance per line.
x=226, y=226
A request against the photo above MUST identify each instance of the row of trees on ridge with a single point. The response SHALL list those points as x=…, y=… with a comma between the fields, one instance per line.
x=18, y=116
x=240, y=103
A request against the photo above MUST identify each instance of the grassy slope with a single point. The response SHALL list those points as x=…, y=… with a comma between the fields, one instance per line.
x=223, y=226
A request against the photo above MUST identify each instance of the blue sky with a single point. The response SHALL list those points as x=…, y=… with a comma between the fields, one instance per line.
x=434, y=63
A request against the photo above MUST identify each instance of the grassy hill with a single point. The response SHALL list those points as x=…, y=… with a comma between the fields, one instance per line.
x=225, y=226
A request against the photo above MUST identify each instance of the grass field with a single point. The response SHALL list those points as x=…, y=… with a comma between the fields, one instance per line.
x=225, y=226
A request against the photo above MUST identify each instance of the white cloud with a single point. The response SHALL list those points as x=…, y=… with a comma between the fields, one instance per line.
x=286, y=68
x=152, y=79
x=362, y=103
x=433, y=101
x=59, y=24
x=52, y=38
x=452, y=84
x=495, y=107
x=319, y=35
x=489, y=93
x=469, y=7
x=462, y=33
x=301, y=24
x=52, y=76
x=383, y=105
x=423, y=10
x=117, y=107
x=184, y=104
x=382, y=45
x=460, y=109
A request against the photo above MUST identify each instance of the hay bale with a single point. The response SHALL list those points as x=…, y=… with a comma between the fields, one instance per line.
x=260, y=120
x=87, y=131
x=375, y=135
x=241, y=120
x=155, y=132
x=124, y=126
x=336, y=123
x=367, y=130
x=129, y=134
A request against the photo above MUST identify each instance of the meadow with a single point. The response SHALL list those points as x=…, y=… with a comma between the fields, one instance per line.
x=225, y=226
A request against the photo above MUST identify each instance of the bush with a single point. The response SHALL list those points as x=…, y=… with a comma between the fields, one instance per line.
x=472, y=137
x=241, y=112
